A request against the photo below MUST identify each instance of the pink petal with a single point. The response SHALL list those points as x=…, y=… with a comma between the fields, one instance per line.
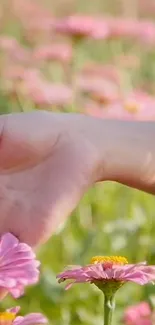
x=8, y=241
x=31, y=319
x=18, y=266
x=14, y=310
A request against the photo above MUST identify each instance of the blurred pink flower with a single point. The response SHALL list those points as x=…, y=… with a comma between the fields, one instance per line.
x=146, y=32
x=31, y=85
x=36, y=20
x=141, y=104
x=101, y=29
x=55, y=52
x=103, y=91
x=13, y=73
x=137, y=105
x=108, y=269
x=105, y=71
x=39, y=26
x=139, y=314
x=32, y=13
x=111, y=111
x=9, y=318
x=82, y=26
x=140, y=30
x=16, y=77
x=8, y=43
x=106, y=28
x=15, y=51
x=120, y=27
x=18, y=266
x=44, y=93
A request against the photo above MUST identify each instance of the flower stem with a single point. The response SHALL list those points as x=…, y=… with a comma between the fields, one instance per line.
x=109, y=305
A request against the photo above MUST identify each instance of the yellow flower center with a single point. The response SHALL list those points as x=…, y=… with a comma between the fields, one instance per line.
x=120, y=260
x=6, y=316
x=131, y=107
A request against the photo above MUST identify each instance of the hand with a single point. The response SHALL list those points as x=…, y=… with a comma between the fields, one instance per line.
x=46, y=164
x=48, y=161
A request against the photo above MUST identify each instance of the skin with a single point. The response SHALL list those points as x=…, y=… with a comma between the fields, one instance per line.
x=48, y=161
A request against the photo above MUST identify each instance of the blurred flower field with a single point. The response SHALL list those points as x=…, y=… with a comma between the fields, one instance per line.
x=96, y=58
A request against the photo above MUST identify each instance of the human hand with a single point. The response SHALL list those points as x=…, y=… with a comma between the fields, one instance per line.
x=48, y=161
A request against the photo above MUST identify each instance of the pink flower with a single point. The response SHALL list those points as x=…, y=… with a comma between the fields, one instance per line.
x=35, y=19
x=139, y=314
x=32, y=14
x=101, y=90
x=49, y=94
x=139, y=30
x=14, y=50
x=146, y=32
x=136, y=105
x=30, y=84
x=18, y=266
x=8, y=43
x=105, y=270
x=9, y=318
x=55, y=52
x=111, y=111
x=140, y=104
x=106, y=71
x=120, y=27
x=82, y=26
x=41, y=92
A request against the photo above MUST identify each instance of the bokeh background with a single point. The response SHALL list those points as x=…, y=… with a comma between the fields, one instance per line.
x=98, y=58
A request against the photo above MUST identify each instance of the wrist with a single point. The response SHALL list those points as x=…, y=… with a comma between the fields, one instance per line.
x=121, y=151
x=126, y=152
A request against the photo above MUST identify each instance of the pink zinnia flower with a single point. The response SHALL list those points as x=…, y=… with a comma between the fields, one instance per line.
x=140, y=104
x=109, y=273
x=35, y=19
x=139, y=314
x=110, y=111
x=8, y=43
x=137, y=105
x=120, y=27
x=9, y=318
x=32, y=14
x=146, y=32
x=55, y=52
x=13, y=49
x=106, y=71
x=18, y=266
x=31, y=85
x=49, y=94
x=139, y=30
x=82, y=27
x=101, y=90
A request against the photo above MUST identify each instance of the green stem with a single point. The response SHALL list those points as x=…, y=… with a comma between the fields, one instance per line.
x=109, y=305
x=72, y=71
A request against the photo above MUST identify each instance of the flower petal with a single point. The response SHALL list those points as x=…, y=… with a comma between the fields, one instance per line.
x=31, y=319
x=18, y=266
